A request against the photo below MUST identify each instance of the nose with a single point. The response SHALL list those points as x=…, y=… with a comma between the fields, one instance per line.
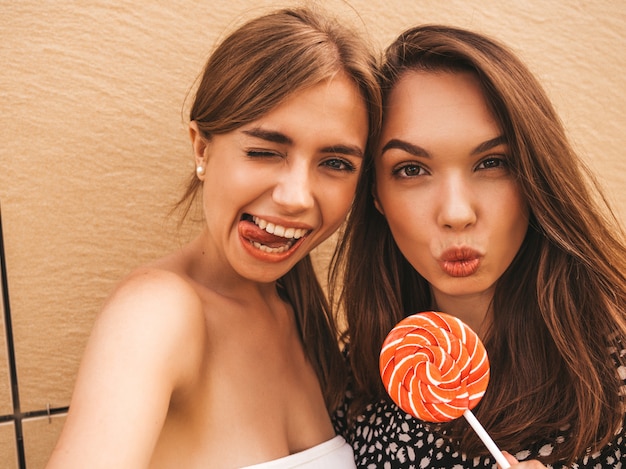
x=457, y=210
x=294, y=189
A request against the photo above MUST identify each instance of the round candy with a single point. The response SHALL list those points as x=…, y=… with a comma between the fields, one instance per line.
x=434, y=366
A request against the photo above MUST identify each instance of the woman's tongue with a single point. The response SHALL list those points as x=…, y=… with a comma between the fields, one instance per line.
x=253, y=233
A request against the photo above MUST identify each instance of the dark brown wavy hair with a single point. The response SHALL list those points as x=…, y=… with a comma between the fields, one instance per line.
x=252, y=71
x=558, y=310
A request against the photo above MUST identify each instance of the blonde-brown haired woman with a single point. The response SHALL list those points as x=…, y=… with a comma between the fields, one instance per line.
x=478, y=207
x=224, y=354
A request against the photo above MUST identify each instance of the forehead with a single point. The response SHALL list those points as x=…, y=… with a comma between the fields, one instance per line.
x=333, y=111
x=428, y=103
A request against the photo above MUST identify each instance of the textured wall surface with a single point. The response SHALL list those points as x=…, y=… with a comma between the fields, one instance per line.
x=95, y=149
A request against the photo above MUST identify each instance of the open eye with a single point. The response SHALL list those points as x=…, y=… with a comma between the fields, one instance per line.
x=339, y=164
x=493, y=162
x=408, y=170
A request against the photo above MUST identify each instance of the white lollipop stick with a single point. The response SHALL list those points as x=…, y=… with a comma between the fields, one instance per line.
x=484, y=436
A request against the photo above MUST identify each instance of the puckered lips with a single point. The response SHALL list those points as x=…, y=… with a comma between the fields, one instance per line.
x=269, y=241
x=460, y=261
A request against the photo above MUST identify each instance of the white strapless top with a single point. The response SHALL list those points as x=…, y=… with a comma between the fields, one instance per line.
x=335, y=453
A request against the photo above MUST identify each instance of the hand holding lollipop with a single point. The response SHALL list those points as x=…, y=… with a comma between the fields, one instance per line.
x=435, y=368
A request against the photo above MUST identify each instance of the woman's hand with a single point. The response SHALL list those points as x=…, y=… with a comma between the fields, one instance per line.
x=534, y=464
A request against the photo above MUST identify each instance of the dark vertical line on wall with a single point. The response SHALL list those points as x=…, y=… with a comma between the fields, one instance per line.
x=8, y=327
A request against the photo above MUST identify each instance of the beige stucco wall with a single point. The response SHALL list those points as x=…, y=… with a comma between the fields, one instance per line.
x=94, y=149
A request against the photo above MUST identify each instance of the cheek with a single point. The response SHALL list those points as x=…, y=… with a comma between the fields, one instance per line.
x=515, y=209
x=405, y=210
x=513, y=215
x=216, y=191
x=407, y=221
x=335, y=201
x=519, y=227
x=410, y=236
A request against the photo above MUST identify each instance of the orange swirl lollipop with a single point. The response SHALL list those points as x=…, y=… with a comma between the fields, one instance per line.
x=435, y=368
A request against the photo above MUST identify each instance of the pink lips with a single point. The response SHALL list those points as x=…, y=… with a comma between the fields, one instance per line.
x=460, y=261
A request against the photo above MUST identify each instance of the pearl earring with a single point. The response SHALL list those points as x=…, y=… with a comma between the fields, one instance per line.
x=200, y=170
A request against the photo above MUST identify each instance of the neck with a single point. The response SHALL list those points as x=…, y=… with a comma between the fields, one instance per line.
x=207, y=266
x=473, y=310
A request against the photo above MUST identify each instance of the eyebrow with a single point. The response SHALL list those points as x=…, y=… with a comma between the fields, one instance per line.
x=416, y=150
x=407, y=147
x=280, y=138
x=344, y=150
x=269, y=135
x=489, y=144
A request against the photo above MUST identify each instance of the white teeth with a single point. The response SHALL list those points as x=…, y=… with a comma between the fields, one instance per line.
x=265, y=248
x=278, y=230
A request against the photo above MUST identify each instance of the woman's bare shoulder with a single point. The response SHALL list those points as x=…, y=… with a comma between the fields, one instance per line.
x=154, y=310
x=148, y=336
x=153, y=291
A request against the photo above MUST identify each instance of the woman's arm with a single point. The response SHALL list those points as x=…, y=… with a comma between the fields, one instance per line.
x=533, y=464
x=141, y=349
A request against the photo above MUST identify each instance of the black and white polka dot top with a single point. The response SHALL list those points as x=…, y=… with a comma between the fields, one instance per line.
x=386, y=437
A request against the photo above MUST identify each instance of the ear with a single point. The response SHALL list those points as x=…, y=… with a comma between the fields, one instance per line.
x=198, y=143
x=376, y=202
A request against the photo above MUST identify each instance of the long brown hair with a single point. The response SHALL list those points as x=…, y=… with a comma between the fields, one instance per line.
x=559, y=309
x=253, y=70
